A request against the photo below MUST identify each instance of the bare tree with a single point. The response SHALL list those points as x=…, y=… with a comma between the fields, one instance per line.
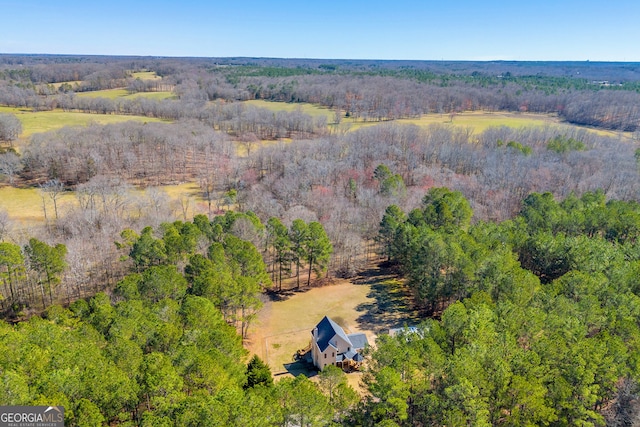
x=5, y=224
x=158, y=201
x=10, y=128
x=248, y=141
x=10, y=165
x=53, y=189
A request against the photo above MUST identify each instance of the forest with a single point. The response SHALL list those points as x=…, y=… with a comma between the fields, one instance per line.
x=519, y=244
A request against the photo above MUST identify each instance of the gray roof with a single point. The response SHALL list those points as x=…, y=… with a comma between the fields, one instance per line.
x=405, y=331
x=327, y=329
x=350, y=354
x=358, y=341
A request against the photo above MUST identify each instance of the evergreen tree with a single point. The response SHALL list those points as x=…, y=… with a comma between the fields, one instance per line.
x=258, y=373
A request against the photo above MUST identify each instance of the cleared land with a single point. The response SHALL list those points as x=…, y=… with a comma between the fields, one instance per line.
x=310, y=109
x=45, y=121
x=123, y=93
x=478, y=121
x=25, y=205
x=145, y=75
x=372, y=304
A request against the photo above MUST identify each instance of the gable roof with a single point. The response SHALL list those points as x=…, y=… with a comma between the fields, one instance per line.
x=327, y=329
x=358, y=341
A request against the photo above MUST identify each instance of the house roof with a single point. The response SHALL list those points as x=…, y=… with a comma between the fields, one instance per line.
x=406, y=331
x=327, y=329
x=358, y=341
x=350, y=355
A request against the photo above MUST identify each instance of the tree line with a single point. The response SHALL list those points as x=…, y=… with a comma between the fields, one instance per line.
x=366, y=91
x=223, y=259
x=344, y=181
x=533, y=320
x=165, y=345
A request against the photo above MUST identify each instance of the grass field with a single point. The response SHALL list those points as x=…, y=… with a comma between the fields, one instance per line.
x=479, y=121
x=145, y=75
x=123, y=93
x=44, y=121
x=24, y=205
x=310, y=109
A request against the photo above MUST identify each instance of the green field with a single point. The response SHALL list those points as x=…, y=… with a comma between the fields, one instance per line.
x=24, y=205
x=45, y=121
x=479, y=121
x=123, y=93
x=310, y=109
x=145, y=75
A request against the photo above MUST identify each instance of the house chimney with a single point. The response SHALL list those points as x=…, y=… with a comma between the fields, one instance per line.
x=315, y=334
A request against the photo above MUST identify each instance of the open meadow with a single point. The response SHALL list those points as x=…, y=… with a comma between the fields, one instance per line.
x=45, y=121
x=25, y=206
x=477, y=121
x=145, y=75
x=310, y=109
x=124, y=94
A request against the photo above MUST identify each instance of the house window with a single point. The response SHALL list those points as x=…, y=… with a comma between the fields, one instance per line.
x=333, y=354
x=325, y=355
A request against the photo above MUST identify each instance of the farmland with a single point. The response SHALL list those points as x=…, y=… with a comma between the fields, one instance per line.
x=46, y=121
x=124, y=94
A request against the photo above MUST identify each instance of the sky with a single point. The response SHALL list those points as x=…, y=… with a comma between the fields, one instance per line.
x=522, y=30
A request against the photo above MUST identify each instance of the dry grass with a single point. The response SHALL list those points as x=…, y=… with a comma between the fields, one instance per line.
x=123, y=93
x=145, y=75
x=45, y=121
x=371, y=304
x=478, y=121
x=283, y=327
x=24, y=205
x=310, y=109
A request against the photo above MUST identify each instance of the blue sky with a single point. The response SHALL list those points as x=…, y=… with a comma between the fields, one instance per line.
x=401, y=29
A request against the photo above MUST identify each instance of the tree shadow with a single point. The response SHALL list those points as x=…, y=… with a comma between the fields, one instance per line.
x=392, y=305
x=284, y=294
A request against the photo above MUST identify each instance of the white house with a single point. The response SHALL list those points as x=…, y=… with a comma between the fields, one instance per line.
x=330, y=345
